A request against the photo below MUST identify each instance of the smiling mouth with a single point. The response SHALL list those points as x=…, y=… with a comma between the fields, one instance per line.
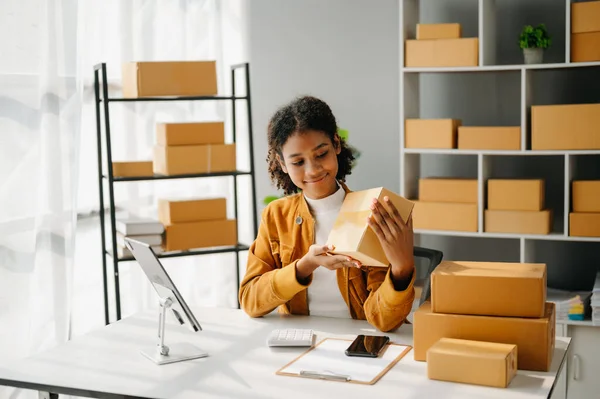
x=316, y=180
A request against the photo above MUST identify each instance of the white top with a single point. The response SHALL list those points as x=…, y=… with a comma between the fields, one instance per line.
x=239, y=363
x=324, y=297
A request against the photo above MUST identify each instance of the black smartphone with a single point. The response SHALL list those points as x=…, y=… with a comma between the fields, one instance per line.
x=367, y=345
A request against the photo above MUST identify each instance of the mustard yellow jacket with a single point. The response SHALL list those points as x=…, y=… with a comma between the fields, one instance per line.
x=286, y=232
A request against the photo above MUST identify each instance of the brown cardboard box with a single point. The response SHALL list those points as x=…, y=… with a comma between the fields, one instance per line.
x=132, y=169
x=180, y=78
x=585, y=17
x=190, y=133
x=438, y=31
x=489, y=138
x=565, y=127
x=193, y=210
x=534, y=337
x=585, y=47
x=518, y=222
x=586, y=196
x=184, y=159
x=442, y=52
x=489, y=288
x=584, y=224
x=472, y=362
x=516, y=194
x=445, y=216
x=210, y=233
x=431, y=133
x=352, y=236
x=442, y=189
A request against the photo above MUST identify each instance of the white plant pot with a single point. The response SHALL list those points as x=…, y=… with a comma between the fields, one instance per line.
x=533, y=55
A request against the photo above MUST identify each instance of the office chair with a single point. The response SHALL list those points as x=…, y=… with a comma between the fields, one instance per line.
x=435, y=257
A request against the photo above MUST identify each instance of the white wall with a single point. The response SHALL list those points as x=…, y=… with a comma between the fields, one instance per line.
x=346, y=53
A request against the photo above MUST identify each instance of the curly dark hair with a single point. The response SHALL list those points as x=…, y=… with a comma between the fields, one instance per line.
x=301, y=115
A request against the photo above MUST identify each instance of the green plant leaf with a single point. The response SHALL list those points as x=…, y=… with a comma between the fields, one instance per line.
x=343, y=134
x=270, y=198
x=537, y=37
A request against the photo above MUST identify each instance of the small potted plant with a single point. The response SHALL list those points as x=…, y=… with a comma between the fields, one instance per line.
x=533, y=41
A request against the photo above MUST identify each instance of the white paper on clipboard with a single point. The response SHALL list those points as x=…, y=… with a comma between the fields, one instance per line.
x=329, y=358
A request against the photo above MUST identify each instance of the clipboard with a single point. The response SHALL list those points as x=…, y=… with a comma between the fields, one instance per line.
x=327, y=361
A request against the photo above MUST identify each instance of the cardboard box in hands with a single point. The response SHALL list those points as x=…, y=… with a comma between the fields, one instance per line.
x=351, y=234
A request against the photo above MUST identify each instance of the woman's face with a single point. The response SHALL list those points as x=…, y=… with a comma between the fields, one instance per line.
x=310, y=159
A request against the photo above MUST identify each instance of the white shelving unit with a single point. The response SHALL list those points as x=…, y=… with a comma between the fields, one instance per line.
x=500, y=92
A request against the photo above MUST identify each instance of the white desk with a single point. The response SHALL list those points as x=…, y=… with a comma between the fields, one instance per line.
x=107, y=363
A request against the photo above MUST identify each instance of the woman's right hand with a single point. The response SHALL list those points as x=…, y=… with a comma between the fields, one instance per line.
x=318, y=255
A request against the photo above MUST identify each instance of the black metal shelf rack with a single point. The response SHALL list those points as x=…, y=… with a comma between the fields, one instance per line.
x=102, y=110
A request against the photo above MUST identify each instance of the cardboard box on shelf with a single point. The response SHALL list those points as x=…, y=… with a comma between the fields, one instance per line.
x=169, y=78
x=586, y=196
x=445, y=216
x=518, y=222
x=584, y=224
x=534, y=337
x=208, y=233
x=191, y=210
x=585, y=47
x=489, y=288
x=438, y=31
x=516, y=194
x=446, y=189
x=442, y=52
x=431, y=133
x=184, y=159
x=352, y=236
x=551, y=123
x=489, y=138
x=472, y=362
x=585, y=16
x=132, y=169
x=190, y=133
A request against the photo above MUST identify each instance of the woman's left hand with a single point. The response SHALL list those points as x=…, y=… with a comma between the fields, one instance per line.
x=396, y=237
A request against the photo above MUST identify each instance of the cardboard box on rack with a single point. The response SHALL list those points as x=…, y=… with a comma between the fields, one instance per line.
x=550, y=124
x=191, y=210
x=438, y=31
x=442, y=189
x=169, y=78
x=186, y=159
x=585, y=47
x=445, y=216
x=191, y=235
x=132, y=169
x=472, y=362
x=516, y=194
x=196, y=133
x=584, y=224
x=489, y=288
x=442, y=52
x=489, y=138
x=586, y=196
x=518, y=222
x=351, y=234
x=431, y=133
x=585, y=17
x=534, y=337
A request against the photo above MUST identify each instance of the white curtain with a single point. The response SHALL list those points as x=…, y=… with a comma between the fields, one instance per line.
x=50, y=269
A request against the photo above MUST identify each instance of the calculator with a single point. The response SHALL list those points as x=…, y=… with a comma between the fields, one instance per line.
x=291, y=337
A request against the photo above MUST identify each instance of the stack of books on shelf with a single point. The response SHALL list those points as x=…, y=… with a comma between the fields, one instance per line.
x=142, y=229
x=595, y=303
x=570, y=305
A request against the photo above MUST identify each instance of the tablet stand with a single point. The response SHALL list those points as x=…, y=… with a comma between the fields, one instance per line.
x=163, y=354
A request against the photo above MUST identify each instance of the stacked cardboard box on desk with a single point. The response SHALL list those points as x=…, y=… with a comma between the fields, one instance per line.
x=584, y=220
x=517, y=206
x=446, y=204
x=441, y=45
x=494, y=302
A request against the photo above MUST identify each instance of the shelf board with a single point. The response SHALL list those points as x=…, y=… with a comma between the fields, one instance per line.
x=587, y=323
x=194, y=252
x=498, y=152
x=501, y=68
x=548, y=237
x=177, y=98
x=186, y=176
